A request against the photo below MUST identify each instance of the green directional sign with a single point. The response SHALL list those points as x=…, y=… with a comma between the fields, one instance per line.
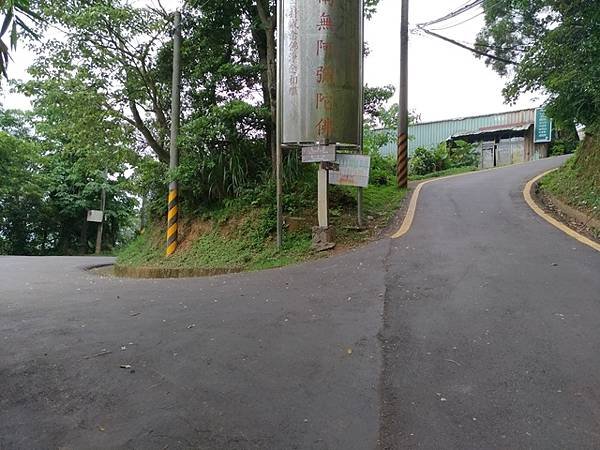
x=543, y=127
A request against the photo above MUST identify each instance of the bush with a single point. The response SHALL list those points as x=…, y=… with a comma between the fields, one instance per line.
x=563, y=147
x=422, y=162
x=462, y=154
x=383, y=168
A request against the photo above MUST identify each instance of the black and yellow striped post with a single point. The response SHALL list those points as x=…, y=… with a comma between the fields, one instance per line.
x=172, y=215
x=172, y=220
x=402, y=161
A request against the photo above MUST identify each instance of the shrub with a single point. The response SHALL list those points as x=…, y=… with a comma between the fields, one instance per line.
x=422, y=162
x=462, y=154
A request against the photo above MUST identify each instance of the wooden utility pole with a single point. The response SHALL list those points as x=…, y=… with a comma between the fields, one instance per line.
x=172, y=215
x=402, y=158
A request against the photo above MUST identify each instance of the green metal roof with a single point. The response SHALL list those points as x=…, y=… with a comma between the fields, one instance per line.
x=431, y=134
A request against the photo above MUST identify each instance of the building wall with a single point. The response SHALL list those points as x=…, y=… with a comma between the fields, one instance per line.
x=430, y=134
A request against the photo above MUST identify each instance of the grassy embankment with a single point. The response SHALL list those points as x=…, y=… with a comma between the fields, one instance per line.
x=577, y=183
x=240, y=236
x=443, y=173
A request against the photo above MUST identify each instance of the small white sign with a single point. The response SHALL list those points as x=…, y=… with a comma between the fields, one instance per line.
x=354, y=170
x=95, y=215
x=318, y=153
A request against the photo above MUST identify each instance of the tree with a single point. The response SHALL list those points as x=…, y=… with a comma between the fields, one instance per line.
x=16, y=13
x=21, y=196
x=553, y=44
x=118, y=47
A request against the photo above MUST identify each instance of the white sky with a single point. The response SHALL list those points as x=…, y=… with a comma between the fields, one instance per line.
x=445, y=81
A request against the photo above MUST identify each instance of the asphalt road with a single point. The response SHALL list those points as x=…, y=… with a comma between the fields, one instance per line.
x=491, y=335
x=478, y=329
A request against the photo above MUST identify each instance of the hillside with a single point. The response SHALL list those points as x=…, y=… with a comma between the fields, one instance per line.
x=577, y=183
x=239, y=236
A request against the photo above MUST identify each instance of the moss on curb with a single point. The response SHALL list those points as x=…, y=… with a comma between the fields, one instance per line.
x=164, y=272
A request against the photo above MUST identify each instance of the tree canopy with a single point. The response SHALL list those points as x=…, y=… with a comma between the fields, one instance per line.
x=555, y=45
x=100, y=90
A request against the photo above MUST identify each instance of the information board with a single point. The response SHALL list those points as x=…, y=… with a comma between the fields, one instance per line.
x=95, y=216
x=353, y=170
x=318, y=153
x=543, y=127
x=321, y=91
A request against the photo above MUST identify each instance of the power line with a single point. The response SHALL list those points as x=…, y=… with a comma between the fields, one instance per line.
x=459, y=23
x=453, y=14
x=466, y=47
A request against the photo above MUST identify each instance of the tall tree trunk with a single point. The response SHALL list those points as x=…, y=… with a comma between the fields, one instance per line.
x=268, y=54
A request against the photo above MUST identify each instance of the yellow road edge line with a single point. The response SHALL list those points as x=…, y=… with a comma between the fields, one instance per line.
x=412, y=207
x=551, y=220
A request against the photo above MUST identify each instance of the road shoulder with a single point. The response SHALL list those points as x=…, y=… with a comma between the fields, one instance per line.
x=559, y=219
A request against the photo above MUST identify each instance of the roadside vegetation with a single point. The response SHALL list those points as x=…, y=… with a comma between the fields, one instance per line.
x=100, y=119
x=551, y=44
x=459, y=157
x=577, y=183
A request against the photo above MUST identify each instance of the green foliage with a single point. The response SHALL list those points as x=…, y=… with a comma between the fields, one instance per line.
x=70, y=147
x=578, y=181
x=443, y=157
x=422, y=162
x=552, y=42
x=563, y=147
x=461, y=154
x=16, y=14
x=442, y=173
x=383, y=168
x=239, y=236
x=21, y=196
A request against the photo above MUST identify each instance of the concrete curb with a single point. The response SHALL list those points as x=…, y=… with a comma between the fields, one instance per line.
x=162, y=272
x=527, y=194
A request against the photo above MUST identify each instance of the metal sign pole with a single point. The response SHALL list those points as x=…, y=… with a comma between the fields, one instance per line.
x=360, y=139
x=279, y=117
x=100, y=228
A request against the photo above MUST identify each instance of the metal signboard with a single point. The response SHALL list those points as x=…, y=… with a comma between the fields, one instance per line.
x=353, y=171
x=542, y=130
x=94, y=215
x=318, y=153
x=321, y=88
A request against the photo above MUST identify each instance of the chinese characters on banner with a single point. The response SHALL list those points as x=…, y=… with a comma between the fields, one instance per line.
x=321, y=71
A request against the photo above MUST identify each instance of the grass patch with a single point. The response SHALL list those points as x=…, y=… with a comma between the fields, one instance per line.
x=234, y=237
x=577, y=183
x=443, y=173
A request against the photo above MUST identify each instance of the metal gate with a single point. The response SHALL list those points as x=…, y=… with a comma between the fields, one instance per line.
x=503, y=153
x=487, y=154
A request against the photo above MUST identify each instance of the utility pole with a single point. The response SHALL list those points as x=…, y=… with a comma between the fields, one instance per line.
x=174, y=154
x=101, y=224
x=402, y=158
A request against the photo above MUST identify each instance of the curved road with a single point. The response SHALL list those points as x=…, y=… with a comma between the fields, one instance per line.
x=478, y=329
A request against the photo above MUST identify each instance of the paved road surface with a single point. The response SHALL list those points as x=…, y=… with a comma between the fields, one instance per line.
x=492, y=336
x=489, y=339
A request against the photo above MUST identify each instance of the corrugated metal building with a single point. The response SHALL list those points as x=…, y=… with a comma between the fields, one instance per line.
x=502, y=139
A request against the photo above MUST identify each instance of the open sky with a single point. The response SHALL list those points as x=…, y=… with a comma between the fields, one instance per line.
x=445, y=81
